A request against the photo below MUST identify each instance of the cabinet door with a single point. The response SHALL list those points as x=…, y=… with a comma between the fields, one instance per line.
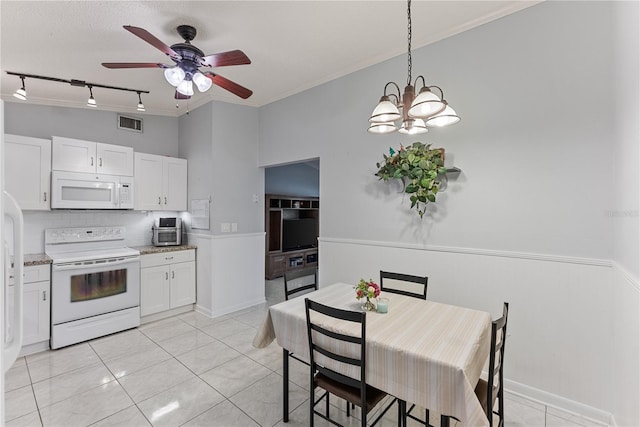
x=114, y=159
x=175, y=184
x=183, y=284
x=28, y=171
x=154, y=289
x=36, y=312
x=73, y=155
x=148, y=182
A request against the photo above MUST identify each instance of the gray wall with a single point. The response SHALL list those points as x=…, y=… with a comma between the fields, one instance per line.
x=160, y=134
x=297, y=179
x=220, y=141
x=528, y=144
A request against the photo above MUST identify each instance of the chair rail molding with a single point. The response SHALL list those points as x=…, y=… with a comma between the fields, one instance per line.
x=472, y=251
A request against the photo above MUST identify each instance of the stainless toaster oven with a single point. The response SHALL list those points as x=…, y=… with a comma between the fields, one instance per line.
x=167, y=232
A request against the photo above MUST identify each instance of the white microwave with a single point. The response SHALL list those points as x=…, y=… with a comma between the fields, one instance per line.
x=76, y=190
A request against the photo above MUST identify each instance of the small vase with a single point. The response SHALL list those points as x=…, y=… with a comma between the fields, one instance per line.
x=368, y=305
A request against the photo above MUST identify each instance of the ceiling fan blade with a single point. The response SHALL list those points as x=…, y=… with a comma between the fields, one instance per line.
x=152, y=40
x=233, y=57
x=227, y=84
x=181, y=96
x=134, y=65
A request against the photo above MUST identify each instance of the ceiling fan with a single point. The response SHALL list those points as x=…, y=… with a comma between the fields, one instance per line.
x=188, y=59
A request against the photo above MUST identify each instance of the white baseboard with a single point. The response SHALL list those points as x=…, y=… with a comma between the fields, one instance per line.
x=237, y=307
x=558, y=402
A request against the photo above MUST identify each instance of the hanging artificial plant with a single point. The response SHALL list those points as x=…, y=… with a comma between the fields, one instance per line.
x=418, y=167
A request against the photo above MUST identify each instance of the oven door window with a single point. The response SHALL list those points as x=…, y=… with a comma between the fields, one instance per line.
x=102, y=284
x=167, y=236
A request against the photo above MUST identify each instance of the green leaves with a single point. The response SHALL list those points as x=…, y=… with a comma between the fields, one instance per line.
x=419, y=166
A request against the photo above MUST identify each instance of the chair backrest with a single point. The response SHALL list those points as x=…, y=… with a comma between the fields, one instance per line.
x=496, y=365
x=325, y=342
x=299, y=281
x=404, y=284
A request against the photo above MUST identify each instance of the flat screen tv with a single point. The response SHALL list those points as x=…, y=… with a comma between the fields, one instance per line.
x=298, y=234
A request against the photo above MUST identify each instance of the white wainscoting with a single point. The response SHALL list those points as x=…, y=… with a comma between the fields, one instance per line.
x=562, y=317
x=230, y=272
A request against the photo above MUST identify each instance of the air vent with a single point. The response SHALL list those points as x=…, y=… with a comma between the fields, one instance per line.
x=129, y=123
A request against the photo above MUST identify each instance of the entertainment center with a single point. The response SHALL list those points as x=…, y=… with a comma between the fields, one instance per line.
x=291, y=224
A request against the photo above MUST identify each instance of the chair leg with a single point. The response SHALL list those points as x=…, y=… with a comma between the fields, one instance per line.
x=426, y=417
x=327, y=408
x=444, y=421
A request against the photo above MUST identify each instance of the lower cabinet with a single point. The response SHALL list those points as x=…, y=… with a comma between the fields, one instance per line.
x=167, y=280
x=36, y=307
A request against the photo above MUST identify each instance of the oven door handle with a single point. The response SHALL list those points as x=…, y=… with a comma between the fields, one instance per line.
x=96, y=263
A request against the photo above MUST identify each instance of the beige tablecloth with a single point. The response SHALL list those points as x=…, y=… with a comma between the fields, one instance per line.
x=421, y=351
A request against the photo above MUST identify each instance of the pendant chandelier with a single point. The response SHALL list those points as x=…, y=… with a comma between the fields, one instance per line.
x=414, y=113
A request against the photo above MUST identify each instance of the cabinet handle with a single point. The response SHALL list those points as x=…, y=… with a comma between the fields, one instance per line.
x=165, y=200
x=159, y=200
x=45, y=196
x=168, y=257
x=173, y=274
x=100, y=162
x=44, y=295
x=166, y=276
x=91, y=160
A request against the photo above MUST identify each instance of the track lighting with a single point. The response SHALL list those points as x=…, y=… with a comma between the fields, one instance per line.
x=91, y=102
x=21, y=93
x=416, y=112
x=140, y=104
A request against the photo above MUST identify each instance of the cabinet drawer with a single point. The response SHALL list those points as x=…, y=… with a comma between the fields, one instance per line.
x=37, y=273
x=164, y=258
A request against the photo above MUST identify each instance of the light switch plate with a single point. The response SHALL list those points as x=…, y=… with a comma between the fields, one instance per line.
x=225, y=227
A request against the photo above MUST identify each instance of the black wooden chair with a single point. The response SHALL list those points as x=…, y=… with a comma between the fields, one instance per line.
x=356, y=392
x=293, y=283
x=404, y=284
x=493, y=389
x=412, y=286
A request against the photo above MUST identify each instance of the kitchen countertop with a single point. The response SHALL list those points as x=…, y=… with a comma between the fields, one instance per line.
x=146, y=250
x=36, y=259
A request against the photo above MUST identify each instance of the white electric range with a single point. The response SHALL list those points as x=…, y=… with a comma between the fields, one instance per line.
x=95, y=283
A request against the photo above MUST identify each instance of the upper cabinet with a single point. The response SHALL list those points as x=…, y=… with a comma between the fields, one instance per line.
x=76, y=155
x=28, y=171
x=160, y=182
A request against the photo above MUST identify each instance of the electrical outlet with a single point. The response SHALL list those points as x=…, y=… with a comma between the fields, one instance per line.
x=225, y=227
x=256, y=198
x=234, y=227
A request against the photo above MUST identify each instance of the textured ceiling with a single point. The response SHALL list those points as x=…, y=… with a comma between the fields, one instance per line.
x=293, y=45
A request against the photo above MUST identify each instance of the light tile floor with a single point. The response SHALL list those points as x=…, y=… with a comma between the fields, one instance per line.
x=187, y=370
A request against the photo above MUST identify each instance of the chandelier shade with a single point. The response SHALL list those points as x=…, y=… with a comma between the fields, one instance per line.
x=447, y=117
x=385, y=111
x=426, y=104
x=413, y=127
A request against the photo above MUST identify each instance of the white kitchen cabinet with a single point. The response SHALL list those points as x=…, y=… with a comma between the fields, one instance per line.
x=167, y=280
x=36, y=306
x=75, y=155
x=160, y=182
x=28, y=171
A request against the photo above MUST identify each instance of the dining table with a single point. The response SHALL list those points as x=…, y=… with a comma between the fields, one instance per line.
x=420, y=351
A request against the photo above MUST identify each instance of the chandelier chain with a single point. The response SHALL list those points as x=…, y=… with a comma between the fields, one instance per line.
x=409, y=42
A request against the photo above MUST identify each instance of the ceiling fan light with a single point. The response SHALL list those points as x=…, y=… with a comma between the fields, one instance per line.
x=426, y=104
x=386, y=111
x=174, y=75
x=21, y=94
x=185, y=88
x=447, y=117
x=413, y=127
x=382, y=128
x=203, y=83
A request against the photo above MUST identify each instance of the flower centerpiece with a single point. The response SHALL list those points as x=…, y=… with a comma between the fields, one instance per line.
x=368, y=290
